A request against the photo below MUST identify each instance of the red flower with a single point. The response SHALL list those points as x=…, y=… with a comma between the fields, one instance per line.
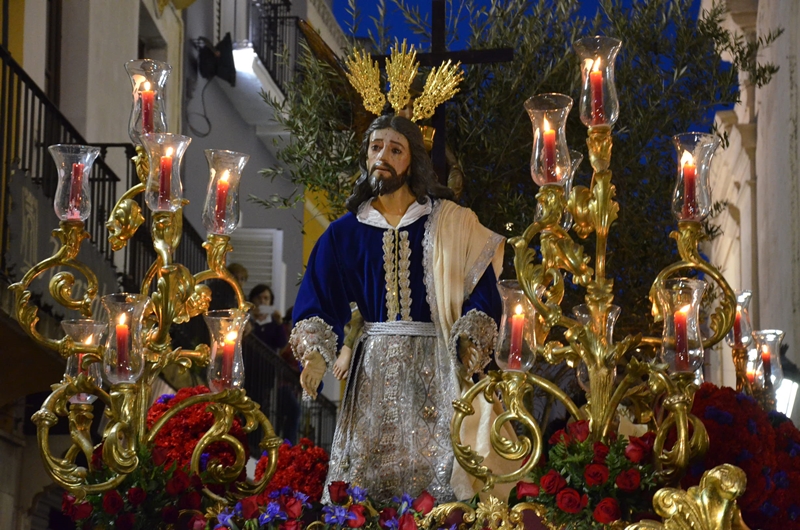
x=595, y=474
x=386, y=515
x=292, y=525
x=97, y=457
x=112, y=502
x=82, y=511
x=600, y=453
x=569, y=500
x=67, y=504
x=178, y=483
x=628, y=480
x=424, y=503
x=360, y=519
x=526, y=489
x=169, y=514
x=193, y=501
x=552, y=482
x=293, y=508
x=197, y=522
x=560, y=436
x=338, y=492
x=639, y=448
x=407, y=522
x=125, y=521
x=607, y=511
x=579, y=430
x=159, y=455
x=136, y=496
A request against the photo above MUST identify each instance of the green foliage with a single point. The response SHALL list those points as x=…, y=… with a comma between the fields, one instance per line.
x=670, y=76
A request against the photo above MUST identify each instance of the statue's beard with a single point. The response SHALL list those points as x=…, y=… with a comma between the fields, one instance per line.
x=383, y=185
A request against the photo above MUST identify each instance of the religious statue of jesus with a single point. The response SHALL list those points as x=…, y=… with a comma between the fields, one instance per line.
x=422, y=271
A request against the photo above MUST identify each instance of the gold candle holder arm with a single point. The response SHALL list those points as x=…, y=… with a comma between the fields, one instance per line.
x=71, y=234
x=120, y=440
x=126, y=216
x=217, y=248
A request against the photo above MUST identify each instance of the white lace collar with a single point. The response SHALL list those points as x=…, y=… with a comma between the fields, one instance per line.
x=368, y=215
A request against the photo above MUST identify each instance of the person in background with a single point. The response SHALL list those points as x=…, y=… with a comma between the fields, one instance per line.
x=266, y=320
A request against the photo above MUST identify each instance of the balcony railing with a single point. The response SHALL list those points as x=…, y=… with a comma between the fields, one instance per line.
x=274, y=36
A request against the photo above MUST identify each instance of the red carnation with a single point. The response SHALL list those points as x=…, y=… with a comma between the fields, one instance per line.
x=407, y=522
x=193, y=501
x=386, y=515
x=136, y=496
x=360, y=519
x=607, y=511
x=526, y=489
x=125, y=521
x=169, y=514
x=579, y=430
x=292, y=525
x=67, y=504
x=424, y=503
x=178, y=483
x=112, y=502
x=552, y=482
x=560, y=436
x=338, y=492
x=600, y=451
x=569, y=500
x=293, y=508
x=595, y=474
x=197, y=522
x=628, y=480
x=81, y=511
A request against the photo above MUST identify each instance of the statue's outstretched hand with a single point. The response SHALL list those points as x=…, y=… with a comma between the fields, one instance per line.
x=313, y=370
x=342, y=364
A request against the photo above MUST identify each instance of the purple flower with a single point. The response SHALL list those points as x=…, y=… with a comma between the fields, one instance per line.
x=751, y=426
x=274, y=494
x=794, y=449
x=392, y=523
x=337, y=514
x=745, y=397
x=781, y=480
x=404, y=503
x=287, y=442
x=204, y=461
x=165, y=398
x=286, y=490
x=273, y=512
x=794, y=512
x=303, y=498
x=224, y=518
x=358, y=494
x=237, y=509
x=719, y=416
x=769, y=509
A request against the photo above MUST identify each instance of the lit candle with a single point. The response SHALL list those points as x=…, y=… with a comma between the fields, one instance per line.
x=515, y=348
x=165, y=179
x=148, y=96
x=751, y=376
x=689, y=176
x=222, y=196
x=596, y=84
x=228, y=348
x=123, y=361
x=549, y=138
x=767, y=360
x=737, y=327
x=75, y=189
x=681, y=339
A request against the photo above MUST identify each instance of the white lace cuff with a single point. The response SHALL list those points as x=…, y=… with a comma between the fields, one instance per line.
x=314, y=335
x=481, y=331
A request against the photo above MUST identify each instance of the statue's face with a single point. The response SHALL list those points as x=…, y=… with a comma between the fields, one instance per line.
x=388, y=161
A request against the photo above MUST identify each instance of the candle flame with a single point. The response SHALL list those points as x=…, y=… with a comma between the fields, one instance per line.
x=147, y=85
x=687, y=159
x=225, y=175
x=89, y=339
x=518, y=309
x=231, y=336
x=596, y=65
x=169, y=152
x=121, y=319
x=685, y=309
x=765, y=350
x=546, y=125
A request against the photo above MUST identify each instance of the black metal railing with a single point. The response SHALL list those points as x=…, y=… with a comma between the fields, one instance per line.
x=29, y=124
x=274, y=35
x=275, y=385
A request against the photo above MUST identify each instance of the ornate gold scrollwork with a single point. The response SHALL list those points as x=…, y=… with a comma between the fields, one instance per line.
x=174, y=287
x=126, y=216
x=120, y=443
x=71, y=234
x=599, y=144
x=709, y=506
x=217, y=247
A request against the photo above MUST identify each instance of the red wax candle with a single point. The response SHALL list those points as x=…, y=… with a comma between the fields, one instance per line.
x=751, y=376
x=75, y=189
x=681, y=340
x=737, y=327
x=228, y=347
x=123, y=360
x=767, y=360
x=689, y=178
x=148, y=97
x=165, y=180
x=596, y=84
x=222, y=196
x=515, y=348
x=549, y=138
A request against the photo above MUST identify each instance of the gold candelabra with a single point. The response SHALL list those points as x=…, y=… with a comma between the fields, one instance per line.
x=138, y=346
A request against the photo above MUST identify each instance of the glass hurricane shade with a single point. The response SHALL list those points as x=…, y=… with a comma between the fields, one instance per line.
x=221, y=209
x=768, y=348
x=148, y=113
x=598, y=104
x=516, y=338
x=123, y=360
x=691, y=198
x=89, y=332
x=164, y=191
x=681, y=346
x=584, y=316
x=740, y=335
x=550, y=157
x=73, y=194
x=226, y=367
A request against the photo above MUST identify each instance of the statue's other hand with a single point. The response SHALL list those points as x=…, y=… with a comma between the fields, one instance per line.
x=313, y=370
